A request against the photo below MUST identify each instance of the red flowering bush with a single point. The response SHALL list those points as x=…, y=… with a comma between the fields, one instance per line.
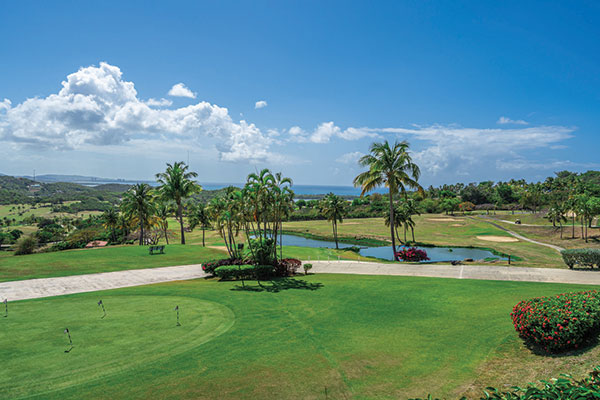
x=558, y=323
x=411, y=254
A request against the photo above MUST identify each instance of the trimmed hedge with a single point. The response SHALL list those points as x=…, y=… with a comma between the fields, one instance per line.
x=581, y=257
x=236, y=272
x=565, y=387
x=210, y=267
x=558, y=323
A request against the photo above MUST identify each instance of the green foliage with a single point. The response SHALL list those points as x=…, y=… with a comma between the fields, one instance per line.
x=581, y=257
x=262, y=251
x=558, y=323
x=307, y=267
x=25, y=245
x=240, y=272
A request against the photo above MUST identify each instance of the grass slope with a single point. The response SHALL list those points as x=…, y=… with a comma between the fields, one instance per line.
x=356, y=336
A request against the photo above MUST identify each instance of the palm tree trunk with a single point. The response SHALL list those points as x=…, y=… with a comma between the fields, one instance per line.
x=166, y=236
x=141, y=234
x=180, y=214
x=561, y=235
x=203, y=231
x=392, y=224
x=412, y=230
x=573, y=226
x=335, y=234
x=405, y=233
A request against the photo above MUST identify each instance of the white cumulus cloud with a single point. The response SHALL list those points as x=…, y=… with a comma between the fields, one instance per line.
x=260, y=104
x=327, y=131
x=506, y=120
x=159, y=103
x=350, y=158
x=97, y=107
x=180, y=90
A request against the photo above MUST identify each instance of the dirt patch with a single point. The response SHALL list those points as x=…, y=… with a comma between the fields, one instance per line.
x=218, y=247
x=499, y=239
x=350, y=223
x=443, y=219
x=456, y=225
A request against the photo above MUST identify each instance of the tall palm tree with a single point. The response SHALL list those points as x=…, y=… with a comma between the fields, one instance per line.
x=110, y=219
x=556, y=215
x=163, y=211
x=389, y=166
x=138, y=204
x=177, y=185
x=200, y=216
x=334, y=209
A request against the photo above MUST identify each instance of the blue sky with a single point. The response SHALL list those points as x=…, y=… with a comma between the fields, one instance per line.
x=481, y=90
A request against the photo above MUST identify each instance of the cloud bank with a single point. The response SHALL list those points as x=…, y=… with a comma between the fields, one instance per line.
x=97, y=107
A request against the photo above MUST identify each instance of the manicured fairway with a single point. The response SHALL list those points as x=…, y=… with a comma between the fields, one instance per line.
x=87, y=261
x=356, y=336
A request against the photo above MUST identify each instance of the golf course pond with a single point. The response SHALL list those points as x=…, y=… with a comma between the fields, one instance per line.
x=436, y=254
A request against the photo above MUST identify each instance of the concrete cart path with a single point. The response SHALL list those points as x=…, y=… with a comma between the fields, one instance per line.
x=47, y=287
x=483, y=272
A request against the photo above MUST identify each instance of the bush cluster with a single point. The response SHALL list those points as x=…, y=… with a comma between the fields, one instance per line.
x=210, y=267
x=565, y=387
x=581, y=257
x=235, y=272
x=411, y=254
x=558, y=323
x=287, y=266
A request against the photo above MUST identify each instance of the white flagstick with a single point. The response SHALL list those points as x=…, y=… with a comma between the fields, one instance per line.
x=5, y=308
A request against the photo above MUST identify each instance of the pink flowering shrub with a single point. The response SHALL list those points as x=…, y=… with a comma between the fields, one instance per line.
x=558, y=323
x=411, y=254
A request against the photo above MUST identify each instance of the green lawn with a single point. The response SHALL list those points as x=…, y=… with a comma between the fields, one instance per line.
x=362, y=337
x=87, y=261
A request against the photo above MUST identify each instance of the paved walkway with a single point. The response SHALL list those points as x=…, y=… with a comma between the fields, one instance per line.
x=552, y=246
x=47, y=287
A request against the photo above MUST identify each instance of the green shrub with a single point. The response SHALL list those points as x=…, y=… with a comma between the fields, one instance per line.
x=236, y=272
x=307, y=267
x=565, y=387
x=581, y=257
x=25, y=245
x=558, y=323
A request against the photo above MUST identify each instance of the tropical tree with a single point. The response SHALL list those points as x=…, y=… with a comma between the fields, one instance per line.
x=333, y=208
x=164, y=210
x=110, y=219
x=138, y=205
x=389, y=166
x=556, y=215
x=177, y=185
x=199, y=216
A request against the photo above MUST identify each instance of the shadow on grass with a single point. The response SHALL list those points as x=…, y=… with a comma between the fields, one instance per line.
x=277, y=285
x=589, y=344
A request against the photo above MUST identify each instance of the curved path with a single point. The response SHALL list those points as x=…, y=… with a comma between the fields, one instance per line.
x=47, y=287
x=552, y=246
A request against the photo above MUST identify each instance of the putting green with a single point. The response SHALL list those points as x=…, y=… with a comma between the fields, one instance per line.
x=33, y=335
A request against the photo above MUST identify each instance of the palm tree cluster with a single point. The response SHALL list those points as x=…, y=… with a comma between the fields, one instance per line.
x=390, y=166
x=257, y=210
x=146, y=208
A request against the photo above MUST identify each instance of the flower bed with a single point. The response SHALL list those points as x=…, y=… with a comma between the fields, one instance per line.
x=558, y=323
x=411, y=254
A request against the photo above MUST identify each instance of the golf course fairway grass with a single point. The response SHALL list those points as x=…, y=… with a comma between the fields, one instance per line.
x=136, y=331
x=352, y=336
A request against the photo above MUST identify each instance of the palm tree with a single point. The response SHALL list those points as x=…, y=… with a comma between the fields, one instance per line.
x=163, y=212
x=110, y=220
x=556, y=215
x=389, y=166
x=177, y=185
x=200, y=216
x=333, y=208
x=138, y=205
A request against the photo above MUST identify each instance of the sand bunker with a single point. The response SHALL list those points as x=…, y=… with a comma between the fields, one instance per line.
x=443, y=219
x=218, y=247
x=350, y=223
x=456, y=225
x=501, y=239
